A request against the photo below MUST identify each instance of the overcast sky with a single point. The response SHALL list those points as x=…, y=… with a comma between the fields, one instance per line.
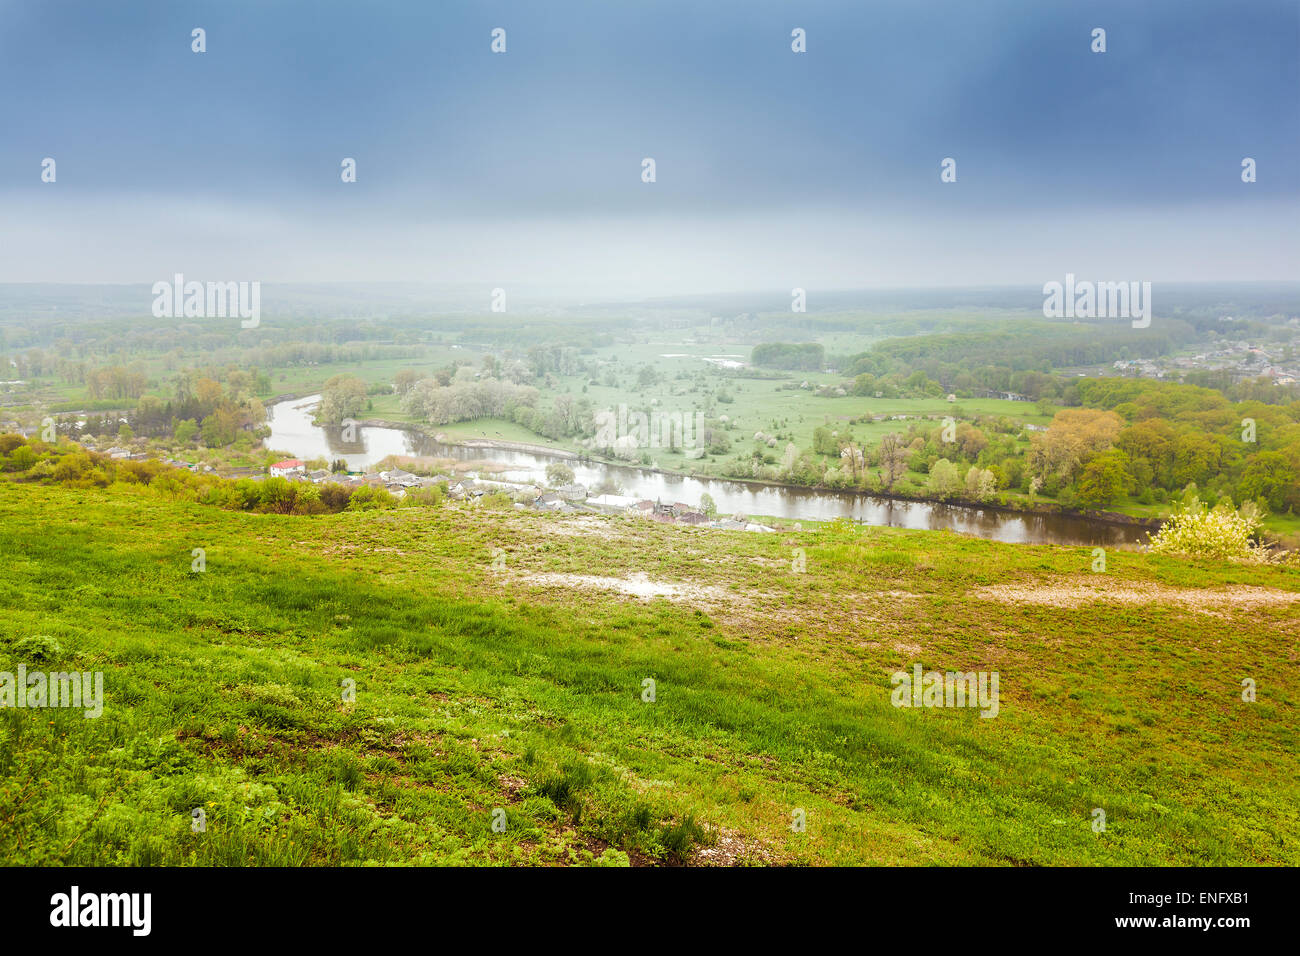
x=774, y=169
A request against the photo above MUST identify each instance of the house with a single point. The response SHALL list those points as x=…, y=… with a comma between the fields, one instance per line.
x=320, y=474
x=116, y=452
x=287, y=467
x=692, y=518
x=573, y=492
x=401, y=478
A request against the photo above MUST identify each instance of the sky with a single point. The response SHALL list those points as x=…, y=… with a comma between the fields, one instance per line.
x=774, y=169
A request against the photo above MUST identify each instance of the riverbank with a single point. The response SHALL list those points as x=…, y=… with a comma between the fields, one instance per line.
x=523, y=460
x=1053, y=510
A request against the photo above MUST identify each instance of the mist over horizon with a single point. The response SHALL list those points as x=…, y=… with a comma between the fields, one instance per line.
x=819, y=170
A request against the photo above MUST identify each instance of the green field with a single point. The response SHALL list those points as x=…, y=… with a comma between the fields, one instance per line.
x=519, y=687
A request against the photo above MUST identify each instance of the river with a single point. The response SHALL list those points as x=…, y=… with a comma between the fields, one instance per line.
x=292, y=431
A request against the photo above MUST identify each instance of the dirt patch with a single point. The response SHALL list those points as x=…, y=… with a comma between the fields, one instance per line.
x=584, y=526
x=1202, y=600
x=636, y=584
x=730, y=849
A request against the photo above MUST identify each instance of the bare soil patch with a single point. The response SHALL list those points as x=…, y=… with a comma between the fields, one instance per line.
x=1073, y=594
x=637, y=584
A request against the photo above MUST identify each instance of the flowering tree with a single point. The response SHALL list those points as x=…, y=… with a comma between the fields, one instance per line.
x=1217, y=533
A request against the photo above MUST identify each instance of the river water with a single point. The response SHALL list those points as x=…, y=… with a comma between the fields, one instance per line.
x=292, y=431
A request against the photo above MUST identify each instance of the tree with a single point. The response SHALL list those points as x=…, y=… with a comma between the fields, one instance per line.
x=1196, y=458
x=185, y=429
x=405, y=380
x=1075, y=435
x=980, y=483
x=23, y=458
x=824, y=443
x=1103, y=480
x=852, y=455
x=807, y=356
x=789, y=459
x=893, y=459
x=344, y=396
x=558, y=473
x=708, y=505
x=944, y=480
x=219, y=428
x=1220, y=533
x=1270, y=477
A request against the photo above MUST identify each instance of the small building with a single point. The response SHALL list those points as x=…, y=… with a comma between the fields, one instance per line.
x=402, y=478
x=289, y=466
x=573, y=492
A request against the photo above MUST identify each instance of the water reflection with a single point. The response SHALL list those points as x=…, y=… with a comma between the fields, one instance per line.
x=292, y=431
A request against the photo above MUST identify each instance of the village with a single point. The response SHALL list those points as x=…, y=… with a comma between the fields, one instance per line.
x=568, y=498
x=1241, y=359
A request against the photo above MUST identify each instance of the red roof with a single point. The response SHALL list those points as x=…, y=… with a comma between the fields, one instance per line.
x=288, y=463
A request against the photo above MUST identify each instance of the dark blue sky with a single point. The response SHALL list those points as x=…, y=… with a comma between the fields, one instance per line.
x=525, y=166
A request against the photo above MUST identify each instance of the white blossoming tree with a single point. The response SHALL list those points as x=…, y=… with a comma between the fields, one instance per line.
x=1218, y=532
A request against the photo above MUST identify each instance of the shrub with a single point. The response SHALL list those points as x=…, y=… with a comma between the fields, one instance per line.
x=1215, y=533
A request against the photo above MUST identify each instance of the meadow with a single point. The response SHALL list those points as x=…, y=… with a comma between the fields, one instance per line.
x=499, y=662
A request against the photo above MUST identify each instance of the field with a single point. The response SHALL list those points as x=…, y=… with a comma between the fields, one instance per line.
x=500, y=661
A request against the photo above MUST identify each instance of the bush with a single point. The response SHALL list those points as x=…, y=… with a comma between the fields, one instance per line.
x=1215, y=533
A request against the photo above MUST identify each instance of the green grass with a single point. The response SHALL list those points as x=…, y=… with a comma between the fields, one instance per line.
x=479, y=689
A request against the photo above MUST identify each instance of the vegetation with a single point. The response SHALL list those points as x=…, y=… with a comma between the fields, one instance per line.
x=475, y=687
x=1216, y=532
x=807, y=356
x=876, y=423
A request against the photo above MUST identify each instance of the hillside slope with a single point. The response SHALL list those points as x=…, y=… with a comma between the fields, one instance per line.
x=500, y=661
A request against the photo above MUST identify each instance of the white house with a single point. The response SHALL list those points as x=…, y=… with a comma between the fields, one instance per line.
x=287, y=467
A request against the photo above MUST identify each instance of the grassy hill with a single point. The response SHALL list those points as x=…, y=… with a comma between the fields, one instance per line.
x=500, y=660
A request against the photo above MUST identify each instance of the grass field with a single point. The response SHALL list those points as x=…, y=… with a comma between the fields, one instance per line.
x=499, y=662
